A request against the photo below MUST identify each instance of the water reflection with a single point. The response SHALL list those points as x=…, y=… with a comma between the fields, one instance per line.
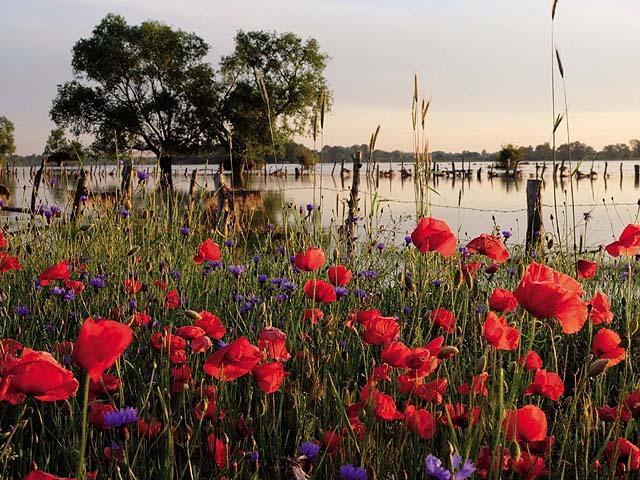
x=473, y=203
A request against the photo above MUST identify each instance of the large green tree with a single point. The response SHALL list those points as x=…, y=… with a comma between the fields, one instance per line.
x=274, y=83
x=146, y=85
x=7, y=142
x=60, y=149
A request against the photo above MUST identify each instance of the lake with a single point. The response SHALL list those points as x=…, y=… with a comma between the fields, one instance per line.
x=470, y=205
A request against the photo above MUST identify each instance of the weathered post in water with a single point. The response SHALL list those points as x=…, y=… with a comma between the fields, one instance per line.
x=36, y=184
x=535, y=228
x=636, y=173
x=81, y=191
x=351, y=228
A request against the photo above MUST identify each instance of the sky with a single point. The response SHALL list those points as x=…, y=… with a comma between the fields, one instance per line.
x=485, y=64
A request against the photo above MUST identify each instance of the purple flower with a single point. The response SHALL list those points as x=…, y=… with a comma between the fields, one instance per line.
x=434, y=469
x=255, y=456
x=586, y=216
x=122, y=416
x=132, y=306
x=229, y=243
x=270, y=227
x=282, y=297
x=309, y=207
x=97, y=282
x=463, y=471
x=237, y=270
x=184, y=231
x=57, y=291
x=341, y=291
x=464, y=251
x=22, y=311
x=262, y=278
x=256, y=259
x=351, y=472
x=506, y=234
x=407, y=310
x=380, y=246
x=360, y=293
x=68, y=296
x=142, y=176
x=624, y=276
x=176, y=274
x=407, y=240
x=124, y=213
x=368, y=274
x=310, y=450
x=436, y=283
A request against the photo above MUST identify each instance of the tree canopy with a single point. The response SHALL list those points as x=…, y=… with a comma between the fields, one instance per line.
x=60, y=149
x=7, y=142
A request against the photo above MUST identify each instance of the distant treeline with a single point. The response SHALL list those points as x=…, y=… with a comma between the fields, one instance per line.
x=298, y=154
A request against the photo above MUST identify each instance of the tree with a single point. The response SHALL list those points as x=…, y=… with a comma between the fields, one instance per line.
x=146, y=85
x=296, y=153
x=509, y=157
x=7, y=145
x=60, y=149
x=292, y=73
x=635, y=148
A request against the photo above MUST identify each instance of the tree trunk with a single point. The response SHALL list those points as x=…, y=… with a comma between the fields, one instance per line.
x=166, y=176
x=237, y=173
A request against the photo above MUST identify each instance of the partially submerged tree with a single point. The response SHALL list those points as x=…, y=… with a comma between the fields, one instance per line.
x=7, y=142
x=297, y=153
x=60, y=149
x=147, y=83
x=509, y=157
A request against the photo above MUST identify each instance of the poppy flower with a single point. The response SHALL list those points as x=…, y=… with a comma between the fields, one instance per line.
x=432, y=391
x=219, y=450
x=339, y=276
x=75, y=285
x=208, y=251
x=384, y=405
x=273, y=340
x=140, y=319
x=99, y=344
x=421, y=362
x=486, y=462
x=37, y=374
x=200, y=344
x=310, y=260
x=364, y=317
x=40, y=475
x=606, y=344
x=530, y=466
x=623, y=453
x=546, y=383
x=527, y=424
x=460, y=415
x=502, y=300
x=395, y=354
x=331, y=441
x=380, y=331
x=8, y=263
x=320, y=290
x=105, y=384
x=97, y=411
x=131, y=285
x=478, y=385
x=166, y=341
x=420, y=421
x=546, y=293
x=211, y=324
x=432, y=235
x=498, y=333
x=600, y=311
x=233, y=361
x=149, y=429
x=269, y=376
x=628, y=244
x=489, y=246
x=172, y=299
x=382, y=373
x=59, y=271
x=444, y=319
x=586, y=268
x=3, y=241
x=531, y=361
x=611, y=414
x=632, y=402
x=314, y=315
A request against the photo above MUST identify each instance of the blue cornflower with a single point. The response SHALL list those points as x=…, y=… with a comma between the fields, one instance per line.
x=97, y=282
x=255, y=456
x=462, y=471
x=237, y=270
x=262, y=278
x=22, y=311
x=351, y=472
x=341, y=291
x=184, y=231
x=380, y=246
x=270, y=226
x=506, y=234
x=142, y=176
x=229, y=243
x=120, y=417
x=586, y=216
x=360, y=293
x=124, y=213
x=407, y=240
x=310, y=450
x=433, y=468
x=310, y=207
x=407, y=310
x=256, y=259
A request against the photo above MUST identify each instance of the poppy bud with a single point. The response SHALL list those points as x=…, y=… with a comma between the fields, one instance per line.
x=145, y=214
x=85, y=228
x=598, y=367
x=408, y=284
x=481, y=365
x=520, y=270
x=127, y=204
x=193, y=315
x=133, y=251
x=448, y=351
x=263, y=308
x=514, y=450
x=457, y=279
x=468, y=279
x=550, y=243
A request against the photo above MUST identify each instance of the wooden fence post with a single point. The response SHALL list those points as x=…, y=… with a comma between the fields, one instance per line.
x=36, y=184
x=81, y=190
x=535, y=228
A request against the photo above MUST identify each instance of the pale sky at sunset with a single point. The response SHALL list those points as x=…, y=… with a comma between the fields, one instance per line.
x=484, y=63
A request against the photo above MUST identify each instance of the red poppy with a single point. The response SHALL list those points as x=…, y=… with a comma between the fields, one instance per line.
x=105, y=384
x=211, y=324
x=444, y=319
x=339, y=275
x=273, y=340
x=460, y=415
x=611, y=414
x=420, y=421
x=546, y=293
x=606, y=344
x=600, y=309
x=149, y=429
x=531, y=361
x=75, y=285
x=385, y=406
x=586, y=268
x=172, y=299
x=331, y=441
x=546, y=383
x=208, y=251
x=527, y=424
x=382, y=373
x=3, y=241
x=220, y=450
x=200, y=344
x=131, y=285
x=623, y=453
x=97, y=410
x=166, y=341
x=8, y=263
x=269, y=376
x=320, y=290
x=487, y=463
x=310, y=260
x=314, y=315
x=432, y=235
x=395, y=354
x=40, y=475
x=530, y=466
x=233, y=361
x=421, y=362
x=99, y=344
x=628, y=244
x=632, y=402
x=489, y=246
x=432, y=391
x=59, y=271
x=140, y=319
x=498, y=333
x=380, y=331
x=35, y=373
x=502, y=300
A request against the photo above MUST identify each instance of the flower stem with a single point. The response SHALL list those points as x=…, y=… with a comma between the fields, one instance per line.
x=81, y=470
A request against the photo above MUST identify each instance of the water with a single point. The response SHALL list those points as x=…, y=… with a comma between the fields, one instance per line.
x=469, y=205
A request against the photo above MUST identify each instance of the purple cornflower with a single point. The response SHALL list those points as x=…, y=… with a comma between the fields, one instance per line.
x=282, y=297
x=255, y=456
x=310, y=450
x=464, y=251
x=122, y=416
x=124, y=213
x=624, y=276
x=237, y=270
x=176, y=274
x=68, y=296
x=434, y=469
x=463, y=471
x=436, y=283
x=49, y=328
x=184, y=231
x=586, y=216
x=351, y=472
x=142, y=176
x=282, y=250
x=229, y=243
x=57, y=291
x=256, y=259
x=262, y=278
x=22, y=311
x=380, y=246
x=222, y=344
x=97, y=282
x=407, y=310
x=368, y=274
x=270, y=227
x=133, y=305
x=341, y=291
x=360, y=293
x=506, y=234
x=310, y=207
x=407, y=240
